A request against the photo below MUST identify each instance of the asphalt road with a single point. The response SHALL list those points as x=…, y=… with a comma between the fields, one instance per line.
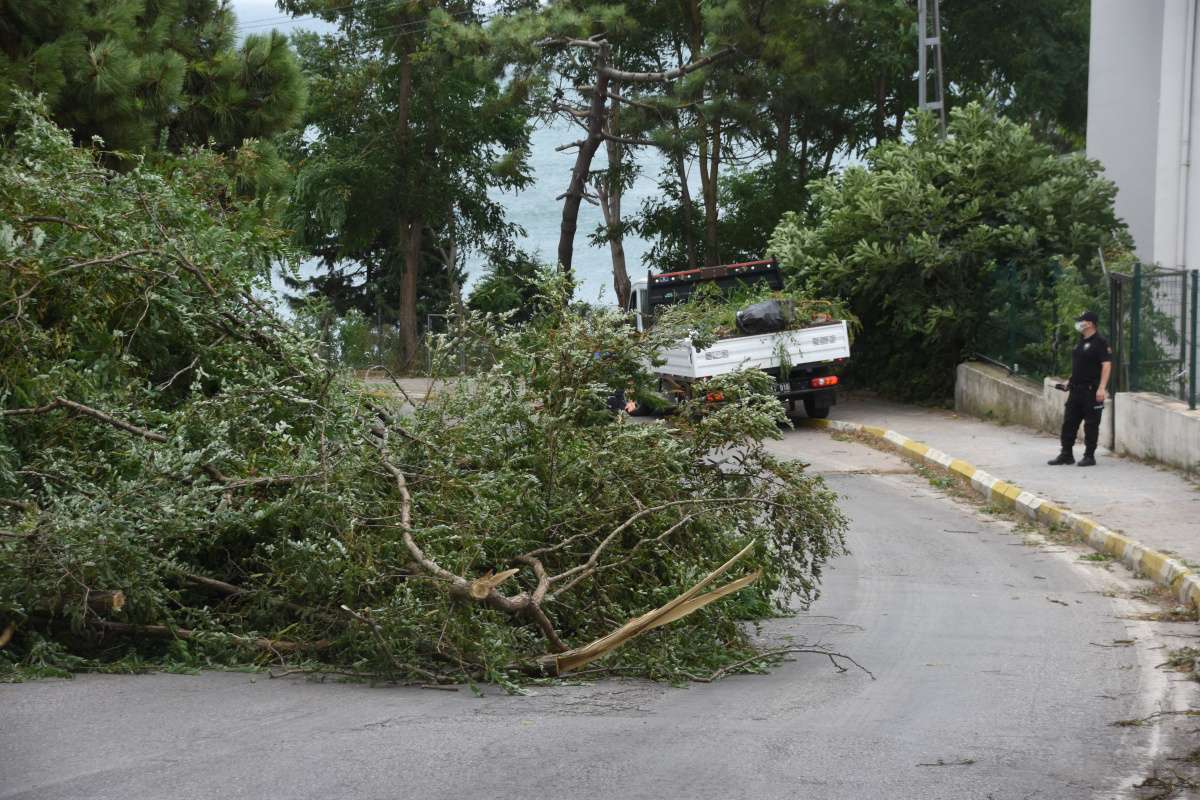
x=991, y=682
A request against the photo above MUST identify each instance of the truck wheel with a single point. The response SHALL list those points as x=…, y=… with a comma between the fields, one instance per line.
x=813, y=410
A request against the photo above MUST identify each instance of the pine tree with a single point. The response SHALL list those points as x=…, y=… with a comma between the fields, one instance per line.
x=411, y=127
x=138, y=73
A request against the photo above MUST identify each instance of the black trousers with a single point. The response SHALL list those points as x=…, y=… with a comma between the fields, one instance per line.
x=1081, y=407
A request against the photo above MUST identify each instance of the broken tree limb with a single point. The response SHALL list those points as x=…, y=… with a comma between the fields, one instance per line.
x=7, y=634
x=165, y=632
x=686, y=603
x=783, y=651
x=80, y=408
x=482, y=586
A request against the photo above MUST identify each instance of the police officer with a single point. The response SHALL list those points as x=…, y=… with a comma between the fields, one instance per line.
x=1091, y=363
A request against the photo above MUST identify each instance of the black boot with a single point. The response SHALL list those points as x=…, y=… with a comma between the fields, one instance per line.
x=1088, y=460
x=1063, y=458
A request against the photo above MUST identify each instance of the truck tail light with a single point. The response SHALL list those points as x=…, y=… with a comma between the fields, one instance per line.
x=827, y=381
x=715, y=397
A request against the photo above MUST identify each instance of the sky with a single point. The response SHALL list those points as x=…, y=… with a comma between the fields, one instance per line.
x=534, y=209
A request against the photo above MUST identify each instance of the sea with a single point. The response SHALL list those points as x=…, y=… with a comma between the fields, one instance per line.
x=534, y=209
x=539, y=216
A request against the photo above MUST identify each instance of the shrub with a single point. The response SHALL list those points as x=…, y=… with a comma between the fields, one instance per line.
x=919, y=241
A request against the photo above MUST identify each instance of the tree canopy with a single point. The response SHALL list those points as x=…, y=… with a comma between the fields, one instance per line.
x=926, y=238
x=411, y=124
x=139, y=74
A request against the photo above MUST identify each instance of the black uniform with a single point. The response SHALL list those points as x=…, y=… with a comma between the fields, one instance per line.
x=1087, y=361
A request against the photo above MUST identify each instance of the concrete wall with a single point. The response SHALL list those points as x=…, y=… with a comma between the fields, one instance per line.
x=1124, y=75
x=984, y=390
x=1140, y=424
x=1152, y=426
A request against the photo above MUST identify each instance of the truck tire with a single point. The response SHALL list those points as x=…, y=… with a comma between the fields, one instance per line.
x=813, y=411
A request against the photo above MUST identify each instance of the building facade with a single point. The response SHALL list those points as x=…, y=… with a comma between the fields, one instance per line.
x=1144, y=122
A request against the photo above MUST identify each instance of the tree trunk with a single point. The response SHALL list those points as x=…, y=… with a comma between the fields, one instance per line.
x=804, y=159
x=712, y=246
x=409, y=228
x=708, y=160
x=783, y=140
x=610, y=205
x=880, y=109
x=688, y=208
x=583, y=163
x=685, y=191
x=609, y=190
x=408, y=290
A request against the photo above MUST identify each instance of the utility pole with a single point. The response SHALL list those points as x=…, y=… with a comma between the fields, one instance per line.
x=928, y=41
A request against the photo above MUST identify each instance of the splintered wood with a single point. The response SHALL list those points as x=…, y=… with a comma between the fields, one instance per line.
x=686, y=603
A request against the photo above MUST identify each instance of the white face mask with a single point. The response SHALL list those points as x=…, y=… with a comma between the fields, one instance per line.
x=1080, y=326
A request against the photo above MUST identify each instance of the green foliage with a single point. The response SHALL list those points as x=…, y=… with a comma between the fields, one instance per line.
x=409, y=128
x=711, y=314
x=916, y=241
x=509, y=286
x=141, y=74
x=164, y=435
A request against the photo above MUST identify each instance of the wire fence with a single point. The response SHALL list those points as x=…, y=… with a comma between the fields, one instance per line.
x=1154, y=312
x=1024, y=333
x=1151, y=325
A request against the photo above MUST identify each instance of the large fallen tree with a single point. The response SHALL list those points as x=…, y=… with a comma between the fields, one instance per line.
x=184, y=481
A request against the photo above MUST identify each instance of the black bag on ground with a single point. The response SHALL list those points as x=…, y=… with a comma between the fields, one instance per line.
x=768, y=316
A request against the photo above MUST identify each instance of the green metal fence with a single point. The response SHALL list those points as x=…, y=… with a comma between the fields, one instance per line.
x=1024, y=333
x=1154, y=331
x=1152, y=324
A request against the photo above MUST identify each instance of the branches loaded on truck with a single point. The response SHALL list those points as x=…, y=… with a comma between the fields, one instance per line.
x=745, y=320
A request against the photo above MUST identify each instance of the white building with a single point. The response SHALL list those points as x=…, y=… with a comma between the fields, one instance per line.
x=1144, y=121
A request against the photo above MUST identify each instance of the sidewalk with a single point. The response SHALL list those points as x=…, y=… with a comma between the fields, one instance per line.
x=1154, y=505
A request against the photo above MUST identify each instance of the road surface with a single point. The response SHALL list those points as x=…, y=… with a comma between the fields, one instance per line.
x=999, y=667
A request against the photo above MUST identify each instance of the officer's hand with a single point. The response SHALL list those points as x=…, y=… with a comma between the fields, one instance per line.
x=1101, y=395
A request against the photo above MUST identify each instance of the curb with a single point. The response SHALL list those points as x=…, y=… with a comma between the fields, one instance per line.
x=1162, y=569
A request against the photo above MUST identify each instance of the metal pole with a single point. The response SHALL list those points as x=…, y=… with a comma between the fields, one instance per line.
x=1114, y=331
x=1195, y=347
x=937, y=31
x=1012, y=322
x=922, y=64
x=1183, y=332
x=1135, y=315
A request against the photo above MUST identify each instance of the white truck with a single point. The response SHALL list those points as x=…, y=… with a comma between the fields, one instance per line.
x=814, y=353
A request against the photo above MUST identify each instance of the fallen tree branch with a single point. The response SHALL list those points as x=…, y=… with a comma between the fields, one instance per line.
x=397, y=663
x=165, y=632
x=88, y=411
x=783, y=651
x=686, y=603
x=594, y=568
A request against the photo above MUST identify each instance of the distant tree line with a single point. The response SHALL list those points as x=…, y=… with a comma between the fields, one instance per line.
x=378, y=145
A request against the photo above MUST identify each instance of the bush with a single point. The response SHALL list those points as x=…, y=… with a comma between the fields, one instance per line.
x=920, y=239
